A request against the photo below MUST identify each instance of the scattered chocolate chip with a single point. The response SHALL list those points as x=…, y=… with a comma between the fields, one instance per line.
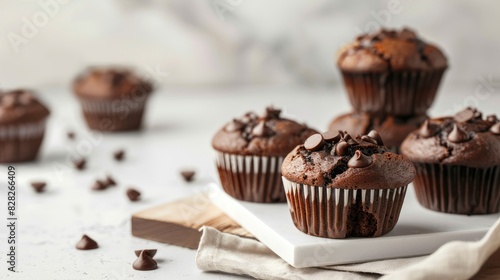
x=346, y=136
x=331, y=136
x=99, y=185
x=407, y=34
x=133, y=194
x=368, y=139
x=188, y=175
x=314, y=143
x=235, y=125
x=70, y=135
x=492, y=118
x=119, y=155
x=248, y=117
x=374, y=135
x=38, y=186
x=86, y=243
x=271, y=113
x=342, y=148
x=359, y=160
x=150, y=252
x=261, y=130
x=464, y=115
x=457, y=135
x=144, y=262
x=495, y=129
x=80, y=164
x=110, y=181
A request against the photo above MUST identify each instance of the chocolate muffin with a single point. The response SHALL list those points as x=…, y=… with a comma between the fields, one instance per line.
x=392, y=129
x=112, y=99
x=458, y=163
x=250, y=151
x=339, y=187
x=391, y=72
x=22, y=125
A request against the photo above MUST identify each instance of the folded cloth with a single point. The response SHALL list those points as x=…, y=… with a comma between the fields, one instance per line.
x=232, y=254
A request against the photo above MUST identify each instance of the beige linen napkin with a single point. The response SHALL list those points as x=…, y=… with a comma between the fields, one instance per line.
x=232, y=254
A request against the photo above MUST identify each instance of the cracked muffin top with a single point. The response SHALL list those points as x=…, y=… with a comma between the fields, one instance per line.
x=267, y=134
x=390, y=50
x=110, y=83
x=464, y=139
x=21, y=106
x=337, y=160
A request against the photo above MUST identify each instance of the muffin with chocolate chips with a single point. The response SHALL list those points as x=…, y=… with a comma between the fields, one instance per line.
x=458, y=163
x=112, y=99
x=392, y=129
x=250, y=150
x=22, y=125
x=391, y=72
x=339, y=187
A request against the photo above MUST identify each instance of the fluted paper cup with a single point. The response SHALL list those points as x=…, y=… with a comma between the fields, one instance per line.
x=458, y=189
x=251, y=178
x=21, y=142
x=403, y=93
x=342, y=213
x=114, y=115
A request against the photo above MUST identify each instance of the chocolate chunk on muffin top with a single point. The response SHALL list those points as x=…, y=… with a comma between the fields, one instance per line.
x=464, y=139
x=390, y=50
x=110, y=83
x=337, y=160
x=267, y=134
x=20, y=106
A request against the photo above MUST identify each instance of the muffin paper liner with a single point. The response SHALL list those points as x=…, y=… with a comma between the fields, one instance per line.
x=115, y=115
x=251, y=178
x=341, y=213
x=458, y=189
x=401, y=93
x=21, y=142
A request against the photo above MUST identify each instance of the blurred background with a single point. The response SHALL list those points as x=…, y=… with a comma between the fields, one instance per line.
x=230, y=42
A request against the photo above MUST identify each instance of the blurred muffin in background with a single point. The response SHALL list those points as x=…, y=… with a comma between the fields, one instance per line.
x=22, y=125
x=113, y=98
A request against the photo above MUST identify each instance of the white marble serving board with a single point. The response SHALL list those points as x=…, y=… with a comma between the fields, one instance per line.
x=419, y=231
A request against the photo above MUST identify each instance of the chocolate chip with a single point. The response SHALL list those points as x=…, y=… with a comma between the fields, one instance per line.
x=457, y=135
x=464, y=115
x=427, y=129
x=188, y=175
x=495, y=129
x=70, y=135
x=99, y=185
x=86, y=243
x=374, y=134
x=110, y=181
x=38, y=186
x=359, y=160
x=119, y=155
x=133, y=194
x=235, y=125
x=249, y=117
x=314, y=143
x=26, y=98
x=271, y=113
x=342, y=148
x=368, y=139
x=150, y=252
x=492, y=118
x=144, y=262
x=331, y=136
x=261, y=130
x=80, y=164
x=9, y=101
x=407, y=34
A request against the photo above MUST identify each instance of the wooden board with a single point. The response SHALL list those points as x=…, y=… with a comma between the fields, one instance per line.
x=178, y=223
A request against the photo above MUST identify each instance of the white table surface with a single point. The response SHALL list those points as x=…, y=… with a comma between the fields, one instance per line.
x=177, y=133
